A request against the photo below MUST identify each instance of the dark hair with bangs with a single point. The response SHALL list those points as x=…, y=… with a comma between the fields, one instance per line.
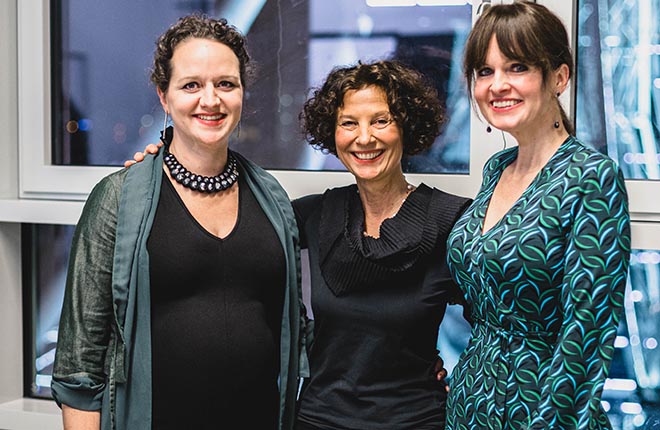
x=202, y=27
x=525, y=32
x=412, y=100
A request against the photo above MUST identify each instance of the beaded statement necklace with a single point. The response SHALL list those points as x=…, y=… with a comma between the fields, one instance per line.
x=203, y=184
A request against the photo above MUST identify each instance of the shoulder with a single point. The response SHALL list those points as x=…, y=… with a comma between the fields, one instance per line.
x=102, y=206
x=450, y=206
x=588, y=156
x=114, y=180
x=587, y=164
x=334, y=197
x=108, y=189
x=339, y=192
x=304, y=206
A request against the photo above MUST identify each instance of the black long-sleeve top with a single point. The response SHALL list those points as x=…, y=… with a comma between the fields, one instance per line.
x=377, y=306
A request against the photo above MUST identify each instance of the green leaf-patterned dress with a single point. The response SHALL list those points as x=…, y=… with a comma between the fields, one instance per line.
x=546, y=286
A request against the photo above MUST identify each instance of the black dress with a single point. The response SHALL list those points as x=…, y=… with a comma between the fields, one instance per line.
x=377, y=306
x=216, y=307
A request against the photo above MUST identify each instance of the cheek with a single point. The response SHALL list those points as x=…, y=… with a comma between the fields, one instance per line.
x=481, y=93
x=342, y=139
x=234, y=102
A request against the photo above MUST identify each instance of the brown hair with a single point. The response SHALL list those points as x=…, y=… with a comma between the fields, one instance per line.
x=413, y=104
x=525, y=32
x=197, y=26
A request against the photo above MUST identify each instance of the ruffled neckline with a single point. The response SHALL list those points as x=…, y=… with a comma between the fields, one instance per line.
x=351, y=262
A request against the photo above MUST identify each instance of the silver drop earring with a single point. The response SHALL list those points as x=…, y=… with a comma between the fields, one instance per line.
x=556, y=123
x=162, y=134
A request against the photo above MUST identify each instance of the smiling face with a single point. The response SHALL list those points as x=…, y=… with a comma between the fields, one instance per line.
x=368, y=141
x=512, y=96
x=205, y=94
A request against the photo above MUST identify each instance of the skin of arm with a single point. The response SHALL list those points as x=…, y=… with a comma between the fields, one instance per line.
x=75, y=419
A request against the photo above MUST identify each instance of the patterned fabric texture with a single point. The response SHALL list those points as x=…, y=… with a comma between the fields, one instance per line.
x=546, y=286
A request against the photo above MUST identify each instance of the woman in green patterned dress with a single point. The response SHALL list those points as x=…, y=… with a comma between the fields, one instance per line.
x=542, y=253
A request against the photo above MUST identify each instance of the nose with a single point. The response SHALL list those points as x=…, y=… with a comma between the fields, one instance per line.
x=364, y=134
x=209, y=97
x=500, y=82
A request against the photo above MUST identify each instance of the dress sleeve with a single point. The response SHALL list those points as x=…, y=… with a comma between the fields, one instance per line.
x=303, y=207
x=87, y=312
x=593, y=285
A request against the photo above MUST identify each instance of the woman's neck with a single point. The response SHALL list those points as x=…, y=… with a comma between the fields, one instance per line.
x=535, y=149
x=200, y=159
x=381, y=201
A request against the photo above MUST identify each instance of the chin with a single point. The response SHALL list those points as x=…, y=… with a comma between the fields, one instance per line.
x=367, y=176
x=214, y=138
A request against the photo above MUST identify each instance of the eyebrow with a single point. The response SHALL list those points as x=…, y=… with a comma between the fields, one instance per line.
x=385, y=112
x=196, y=77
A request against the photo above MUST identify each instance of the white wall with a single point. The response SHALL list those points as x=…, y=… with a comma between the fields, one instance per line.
x=10, y=292
x=16, y=413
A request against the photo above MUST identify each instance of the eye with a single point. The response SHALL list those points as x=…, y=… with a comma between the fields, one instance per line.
x=519, y=68
x=348, y=124
x=484, y=71
x=381, y=123
x=191, y=86
x=226, y=84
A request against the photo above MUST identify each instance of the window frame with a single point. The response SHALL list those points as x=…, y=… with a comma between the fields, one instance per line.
x=39, y=179
x=54, y=194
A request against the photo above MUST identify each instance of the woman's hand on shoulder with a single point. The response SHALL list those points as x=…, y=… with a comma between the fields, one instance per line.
x=151, y=148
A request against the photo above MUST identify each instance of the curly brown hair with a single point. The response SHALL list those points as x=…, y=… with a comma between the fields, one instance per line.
x=412, y=100
x=526, y=32
x=203, y=27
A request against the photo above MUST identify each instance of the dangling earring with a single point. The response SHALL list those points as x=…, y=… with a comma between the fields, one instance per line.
x=556, y=124
x=488, y=129
x=162, y=133
x=238, y=131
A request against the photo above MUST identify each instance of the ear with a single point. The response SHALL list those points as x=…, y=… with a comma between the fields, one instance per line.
x=163, y=99
x=561, y=78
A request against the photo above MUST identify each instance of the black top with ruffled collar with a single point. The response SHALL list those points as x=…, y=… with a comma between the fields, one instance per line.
x=377, y=306
x=351, y=261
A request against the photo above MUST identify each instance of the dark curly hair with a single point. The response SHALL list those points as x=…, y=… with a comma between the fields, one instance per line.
x=525, y=32
x=412, y=100
x=203, y=27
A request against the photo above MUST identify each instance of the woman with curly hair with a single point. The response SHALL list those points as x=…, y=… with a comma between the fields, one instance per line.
x=377, y=251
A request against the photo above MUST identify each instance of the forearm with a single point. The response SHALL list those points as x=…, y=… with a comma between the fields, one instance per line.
x=76, y=419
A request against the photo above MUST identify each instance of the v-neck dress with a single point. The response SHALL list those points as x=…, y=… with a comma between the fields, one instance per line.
x=546, y=287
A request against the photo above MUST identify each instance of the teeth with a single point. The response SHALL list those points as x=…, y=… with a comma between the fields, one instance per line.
x=367, y=155
x=210, y=117
x=504, y=103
